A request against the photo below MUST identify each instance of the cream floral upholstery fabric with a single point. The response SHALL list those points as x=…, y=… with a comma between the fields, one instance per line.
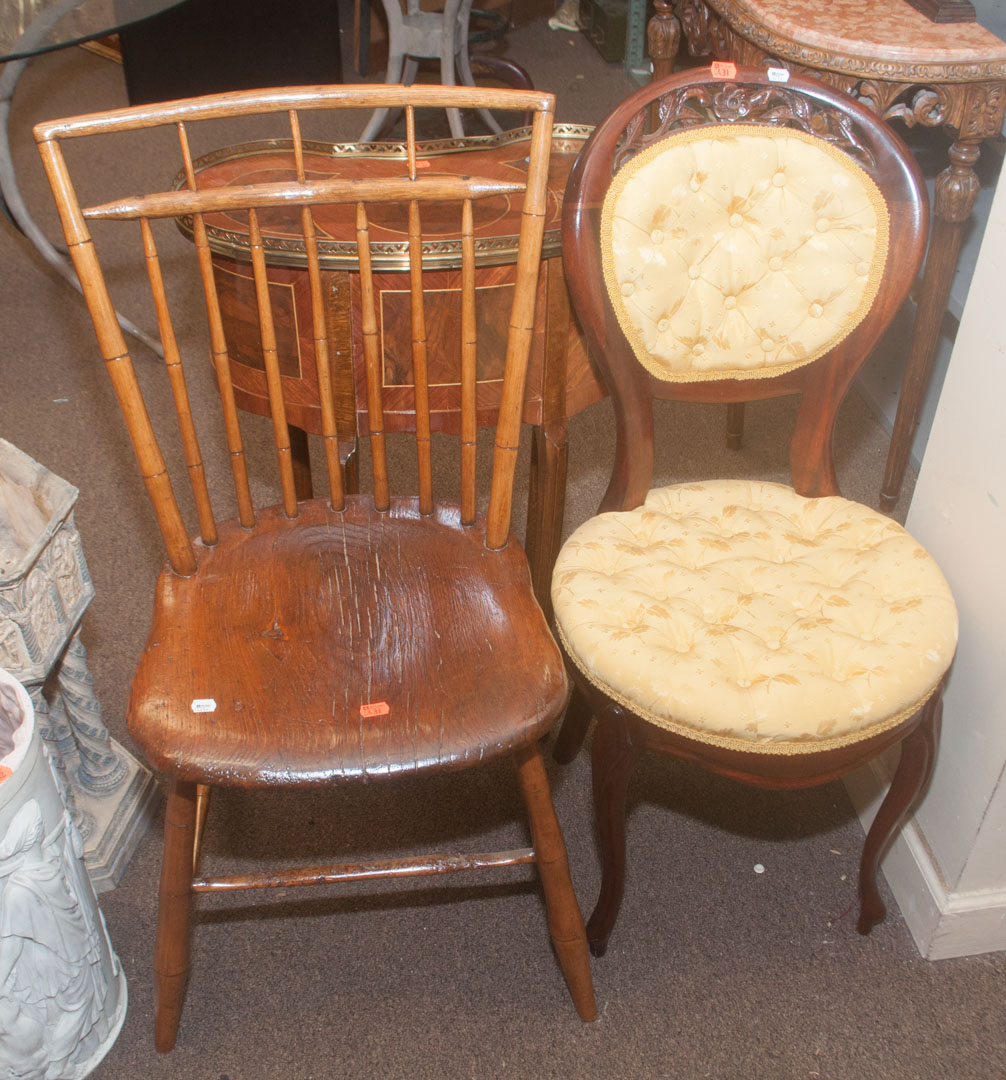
x=743, y=614
x=740, y=251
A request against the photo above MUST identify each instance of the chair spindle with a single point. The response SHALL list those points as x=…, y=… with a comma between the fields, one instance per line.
x=218, y=348
x=330, y=439
x=469, y=357
x=179, y=390
x=372, y=362
x=270, y=355
x=532, y=227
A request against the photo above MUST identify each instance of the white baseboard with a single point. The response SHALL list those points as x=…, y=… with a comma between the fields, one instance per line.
x=943, y=923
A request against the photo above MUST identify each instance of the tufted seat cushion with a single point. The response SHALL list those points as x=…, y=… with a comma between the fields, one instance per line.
x=740, y=251
x=742, y=614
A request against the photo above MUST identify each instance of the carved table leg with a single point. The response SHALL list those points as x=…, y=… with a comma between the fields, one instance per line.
x=611, y=765
x=663, y=36
x=918, y=756
x=956, y=190
x=547, y=483
x=300, y=459
x=546, y=504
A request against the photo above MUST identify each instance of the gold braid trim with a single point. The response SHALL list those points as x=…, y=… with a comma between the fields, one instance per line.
x=747, y=746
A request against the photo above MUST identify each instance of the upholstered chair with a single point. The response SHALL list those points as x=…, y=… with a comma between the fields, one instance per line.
x=731, y=240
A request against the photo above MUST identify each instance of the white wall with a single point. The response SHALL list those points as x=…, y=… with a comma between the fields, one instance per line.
x=948, y=870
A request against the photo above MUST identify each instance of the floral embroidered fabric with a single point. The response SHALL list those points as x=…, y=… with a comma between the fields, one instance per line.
x=740, y=252
x=743, y=614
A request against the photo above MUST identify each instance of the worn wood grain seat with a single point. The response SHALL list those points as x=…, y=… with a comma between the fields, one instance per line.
x=355, y=637
x=728, y=240
x=414, y=590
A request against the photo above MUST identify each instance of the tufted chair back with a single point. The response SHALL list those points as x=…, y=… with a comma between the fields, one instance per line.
x=755, y=241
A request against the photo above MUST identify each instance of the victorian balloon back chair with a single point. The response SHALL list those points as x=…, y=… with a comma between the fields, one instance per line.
x=347, y=639
x=732, y=239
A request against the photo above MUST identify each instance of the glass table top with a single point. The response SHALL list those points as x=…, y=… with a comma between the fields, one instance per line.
x=28, y=27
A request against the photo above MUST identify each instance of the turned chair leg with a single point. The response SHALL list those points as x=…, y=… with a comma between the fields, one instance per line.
x=574, y=728
x=918, y=756
x=735, y=424
x=171, y=956
x=565, y=923
x=612, y=758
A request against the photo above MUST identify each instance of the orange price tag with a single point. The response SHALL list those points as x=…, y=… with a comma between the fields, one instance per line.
x=4, y=773
x=375, y=708
x=723, y=69
x=423, y=163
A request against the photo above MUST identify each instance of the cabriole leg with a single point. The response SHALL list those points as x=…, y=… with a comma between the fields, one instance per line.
x=918, y=756
x=612, y=759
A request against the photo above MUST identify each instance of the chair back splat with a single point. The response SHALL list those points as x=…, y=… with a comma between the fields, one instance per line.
x=730, y=240
x=313, y=641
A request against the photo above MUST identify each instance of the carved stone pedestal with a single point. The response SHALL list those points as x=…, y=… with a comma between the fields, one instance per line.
x=44, y=590
x=62, y=990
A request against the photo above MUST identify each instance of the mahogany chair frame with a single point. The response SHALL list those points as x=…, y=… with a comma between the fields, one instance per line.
x=318, y=658
x=690, y=99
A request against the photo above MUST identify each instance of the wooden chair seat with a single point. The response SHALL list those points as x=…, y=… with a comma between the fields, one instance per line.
x=427, y=610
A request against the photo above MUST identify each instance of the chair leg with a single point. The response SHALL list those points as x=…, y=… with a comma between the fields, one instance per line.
x=565, y=923
x=171, y=956
x=574, y=728
x=735, y=424
x=612, y=759
x=918, y=756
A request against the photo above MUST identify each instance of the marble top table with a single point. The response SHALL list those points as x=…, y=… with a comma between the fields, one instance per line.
x=908, y=69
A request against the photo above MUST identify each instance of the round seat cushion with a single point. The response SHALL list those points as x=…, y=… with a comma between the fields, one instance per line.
x=742, y=614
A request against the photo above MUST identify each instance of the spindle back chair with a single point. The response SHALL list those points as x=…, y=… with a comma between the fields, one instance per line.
x=350, y=637
x=730, y=239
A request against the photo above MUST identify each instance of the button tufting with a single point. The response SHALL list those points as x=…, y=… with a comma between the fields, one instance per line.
x=822, y=224
x=698, y=348
x=694, y=272
x=736, y=221
x=779, y=179
x=816, y=310
x=767, y=344
x=663, y=325
x=730, y=303
x=695, y=184
x=657, y=236
x=628, y=288
x=775, y=263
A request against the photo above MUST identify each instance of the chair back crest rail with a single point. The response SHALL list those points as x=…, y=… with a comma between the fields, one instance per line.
x=413, y=189
x=691, y=106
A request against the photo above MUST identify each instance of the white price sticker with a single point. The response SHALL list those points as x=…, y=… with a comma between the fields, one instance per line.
x=778, y=75
x=204, y=704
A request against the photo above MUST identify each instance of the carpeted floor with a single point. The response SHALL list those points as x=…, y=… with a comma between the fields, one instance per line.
x=713, y=971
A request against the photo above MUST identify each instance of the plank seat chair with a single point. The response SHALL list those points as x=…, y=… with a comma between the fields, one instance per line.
x=731, y=240
x=348, y=639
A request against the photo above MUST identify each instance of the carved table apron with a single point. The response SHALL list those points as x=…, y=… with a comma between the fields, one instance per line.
x=560, y=379
x=906, y=68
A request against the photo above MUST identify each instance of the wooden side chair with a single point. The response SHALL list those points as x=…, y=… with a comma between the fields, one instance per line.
x=347, y=639
x=755, y=240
